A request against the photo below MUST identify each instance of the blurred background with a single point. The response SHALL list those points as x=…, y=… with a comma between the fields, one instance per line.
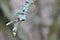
x=5, y=16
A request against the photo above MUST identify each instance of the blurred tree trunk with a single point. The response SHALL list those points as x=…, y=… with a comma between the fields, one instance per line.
x=53, y=35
